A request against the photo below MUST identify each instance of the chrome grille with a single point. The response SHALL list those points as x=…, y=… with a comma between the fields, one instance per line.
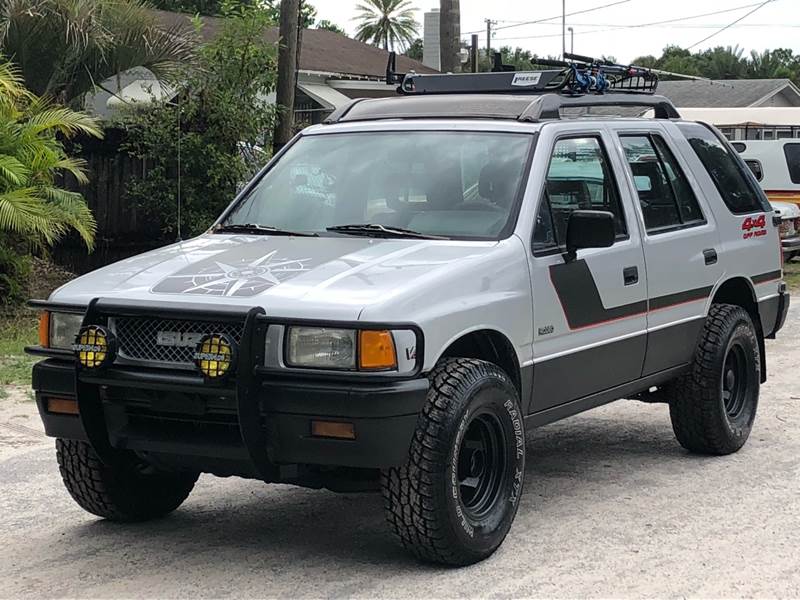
x=137, y=338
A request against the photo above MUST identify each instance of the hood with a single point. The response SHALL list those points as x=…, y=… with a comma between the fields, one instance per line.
x=303, y=277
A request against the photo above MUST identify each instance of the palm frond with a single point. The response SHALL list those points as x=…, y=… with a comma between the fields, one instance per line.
x=13, y=171
x=22, y=211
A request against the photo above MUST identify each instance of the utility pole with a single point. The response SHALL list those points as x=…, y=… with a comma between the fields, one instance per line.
x=287, y=72
x=473, y=54
x=449, y=35
x=563, y=28
x=489, y=24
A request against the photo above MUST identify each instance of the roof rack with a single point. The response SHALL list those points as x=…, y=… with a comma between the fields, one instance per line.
x=581, y=75
x=583, y=83
x=493, y=106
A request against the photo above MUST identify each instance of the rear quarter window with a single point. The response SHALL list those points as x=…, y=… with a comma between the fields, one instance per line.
x=792, y=153
x=735, y=185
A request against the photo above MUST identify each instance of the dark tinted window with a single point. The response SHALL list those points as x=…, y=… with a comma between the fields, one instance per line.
x=666, y=197
x=792, y=152
x=687, y=202
x=579, y=177
x=732, y=181
x=755, y=167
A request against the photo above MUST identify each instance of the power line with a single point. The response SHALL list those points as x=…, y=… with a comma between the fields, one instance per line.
x=558, y=16
x=664, y=22
x=742, y=18
x=651, y=24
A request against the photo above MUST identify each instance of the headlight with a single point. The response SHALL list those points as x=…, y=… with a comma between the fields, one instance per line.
x=63, y=329
x=321, y=348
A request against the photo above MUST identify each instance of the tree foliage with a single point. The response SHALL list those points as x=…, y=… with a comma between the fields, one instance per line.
x=32, y=159
x=64, y=48
x=727, y=63
x=330, y=26
x=389, y=24
x=415, y=50
x=217, y=126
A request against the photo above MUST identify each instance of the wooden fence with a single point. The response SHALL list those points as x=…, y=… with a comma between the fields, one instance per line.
x=119, y=231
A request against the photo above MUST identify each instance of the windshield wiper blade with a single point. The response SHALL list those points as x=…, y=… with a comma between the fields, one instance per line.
x=375, y=230
x=255, y=229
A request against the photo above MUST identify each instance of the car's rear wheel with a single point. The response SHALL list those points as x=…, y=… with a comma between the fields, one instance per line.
x=455, y=499
x=713, y=406
x=130, y=490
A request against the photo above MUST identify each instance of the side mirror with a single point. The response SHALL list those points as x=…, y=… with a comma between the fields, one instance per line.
x=589, y=229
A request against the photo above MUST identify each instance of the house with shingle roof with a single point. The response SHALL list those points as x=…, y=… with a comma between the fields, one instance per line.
x=743, y=109
x=731, y=93
x=332, y=70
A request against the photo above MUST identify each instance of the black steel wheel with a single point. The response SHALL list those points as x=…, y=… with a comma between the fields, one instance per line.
x=456, y=497
x=713, y=406
x=481, y=464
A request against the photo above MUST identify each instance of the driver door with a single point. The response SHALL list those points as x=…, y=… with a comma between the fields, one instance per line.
x=590, y=314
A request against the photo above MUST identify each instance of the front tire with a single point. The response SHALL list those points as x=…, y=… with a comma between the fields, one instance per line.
x=713, y=406
x=455, y=499
x=128, y=491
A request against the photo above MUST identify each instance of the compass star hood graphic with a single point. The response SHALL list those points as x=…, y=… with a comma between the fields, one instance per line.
x=234, y=277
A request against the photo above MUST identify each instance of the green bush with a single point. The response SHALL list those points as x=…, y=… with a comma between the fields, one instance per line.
x=15, y=269
x=217, y=125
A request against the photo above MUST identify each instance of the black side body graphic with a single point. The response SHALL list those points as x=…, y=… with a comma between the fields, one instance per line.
x=580, y=298
x=583, y=307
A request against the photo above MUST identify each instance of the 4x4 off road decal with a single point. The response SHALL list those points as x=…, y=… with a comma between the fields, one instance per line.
x=583, y=307
x=235, y=274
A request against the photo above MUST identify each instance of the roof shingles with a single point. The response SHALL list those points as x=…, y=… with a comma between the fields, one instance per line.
x=729, y=93
x=322, y=50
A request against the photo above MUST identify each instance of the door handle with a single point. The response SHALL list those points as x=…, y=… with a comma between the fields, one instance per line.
x=710, y=256
x=630, y=275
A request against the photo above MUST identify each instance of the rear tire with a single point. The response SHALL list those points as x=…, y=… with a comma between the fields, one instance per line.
x=714, y=404
x=128, y=491
x=455, y=499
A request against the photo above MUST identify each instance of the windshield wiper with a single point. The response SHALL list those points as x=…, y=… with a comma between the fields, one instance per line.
x=375, y=230
x=254, y=229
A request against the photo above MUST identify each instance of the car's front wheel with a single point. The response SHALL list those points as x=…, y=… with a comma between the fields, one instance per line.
x=455, y=499
x=130, y=490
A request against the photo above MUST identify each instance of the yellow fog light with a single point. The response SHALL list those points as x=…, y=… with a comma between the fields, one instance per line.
x=94, y=347
x=215, y=355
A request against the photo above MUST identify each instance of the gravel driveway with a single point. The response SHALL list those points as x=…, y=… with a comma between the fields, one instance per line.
x=612, y=507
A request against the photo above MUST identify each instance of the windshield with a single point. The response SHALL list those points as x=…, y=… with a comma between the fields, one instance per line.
x=448, y=184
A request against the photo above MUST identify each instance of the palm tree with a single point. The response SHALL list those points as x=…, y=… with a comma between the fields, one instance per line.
x=66, y=48
x=386, y=23
x=32, y=158
x=449, y=35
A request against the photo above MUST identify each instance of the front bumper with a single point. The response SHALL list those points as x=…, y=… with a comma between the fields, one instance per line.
x=790, y=245
x=182, y=418
x=257, y=424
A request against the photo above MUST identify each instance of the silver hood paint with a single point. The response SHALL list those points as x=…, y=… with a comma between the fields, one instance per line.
x=448, y=288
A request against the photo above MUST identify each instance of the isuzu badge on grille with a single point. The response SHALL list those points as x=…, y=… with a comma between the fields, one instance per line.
x=177, y=338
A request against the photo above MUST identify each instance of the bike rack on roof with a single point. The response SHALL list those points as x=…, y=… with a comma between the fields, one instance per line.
x=583, y=83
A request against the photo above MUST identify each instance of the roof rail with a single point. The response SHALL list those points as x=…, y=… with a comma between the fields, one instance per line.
x=548, y=106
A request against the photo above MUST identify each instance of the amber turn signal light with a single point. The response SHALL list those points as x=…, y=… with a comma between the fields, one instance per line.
x=333, y=429
x=44, y=329
x=62, y=406
x=376, y=350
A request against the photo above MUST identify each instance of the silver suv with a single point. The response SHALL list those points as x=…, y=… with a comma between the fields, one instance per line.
x=404, y=291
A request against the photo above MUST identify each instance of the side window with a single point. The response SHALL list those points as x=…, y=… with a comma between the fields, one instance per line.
x=687, y=202
x=738, y=190
x=579, y=177
x=792, y=153
x=755, y=167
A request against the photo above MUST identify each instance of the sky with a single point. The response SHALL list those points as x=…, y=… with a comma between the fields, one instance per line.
x=619, y=30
